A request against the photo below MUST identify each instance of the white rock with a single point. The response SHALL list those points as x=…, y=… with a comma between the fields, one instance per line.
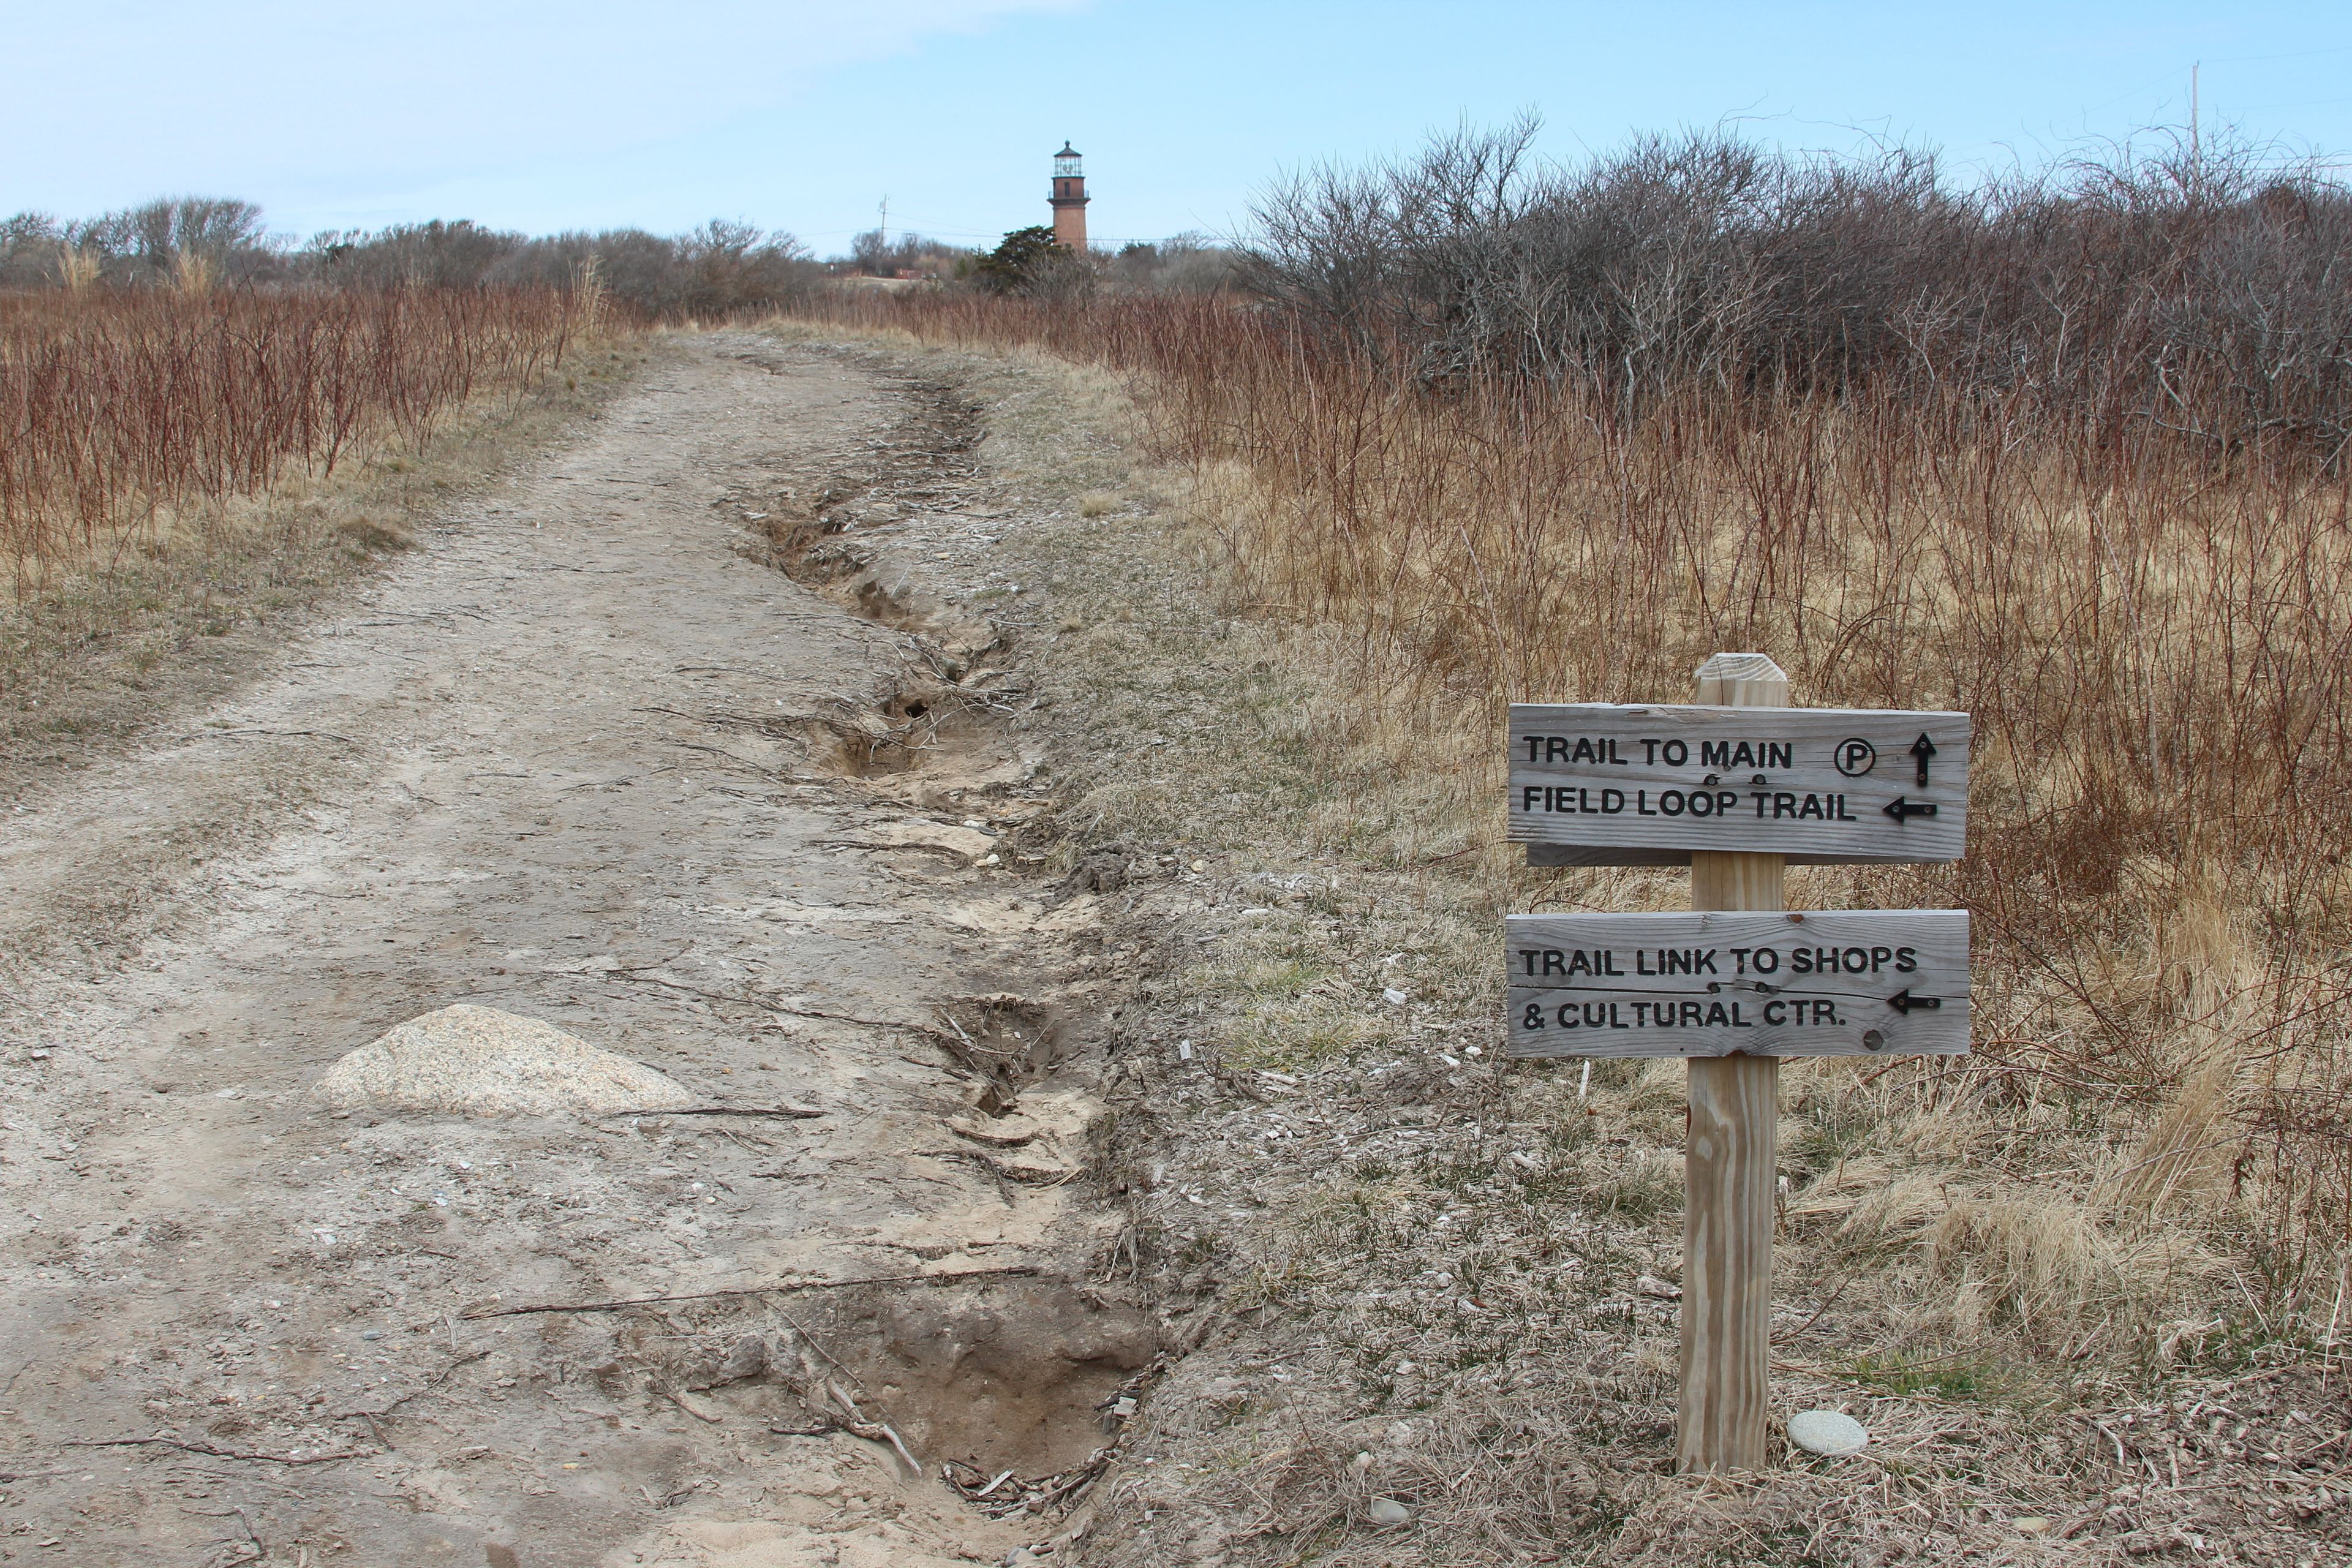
x=1387, y=1513
x=1829, y=1433
x=478, y=1061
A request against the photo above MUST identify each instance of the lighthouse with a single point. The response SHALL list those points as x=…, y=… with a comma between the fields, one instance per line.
x=1069, y=199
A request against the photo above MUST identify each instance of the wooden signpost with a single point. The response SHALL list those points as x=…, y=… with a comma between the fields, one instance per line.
x=1736, y=786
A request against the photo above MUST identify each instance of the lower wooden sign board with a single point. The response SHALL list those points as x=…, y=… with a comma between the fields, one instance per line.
x=1813, y=983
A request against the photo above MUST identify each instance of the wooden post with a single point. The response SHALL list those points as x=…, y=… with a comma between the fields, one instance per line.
x=1730, y=1168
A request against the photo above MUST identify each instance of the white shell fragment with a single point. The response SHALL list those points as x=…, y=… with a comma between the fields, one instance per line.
x=1832, y=1433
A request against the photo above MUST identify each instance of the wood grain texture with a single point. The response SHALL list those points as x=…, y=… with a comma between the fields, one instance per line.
x=1811, y=983
x=1648, y=783
x=1731, y=1169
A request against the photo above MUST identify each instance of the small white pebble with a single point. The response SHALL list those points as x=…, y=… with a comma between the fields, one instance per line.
x=1833, y=1434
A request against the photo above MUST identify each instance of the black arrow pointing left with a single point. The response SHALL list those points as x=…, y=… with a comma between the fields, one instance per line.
x=1902, y=810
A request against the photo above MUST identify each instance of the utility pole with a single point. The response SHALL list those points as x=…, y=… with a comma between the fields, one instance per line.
x=886, y=223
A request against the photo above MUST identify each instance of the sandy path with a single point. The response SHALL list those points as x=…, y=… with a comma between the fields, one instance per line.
x=565, y=762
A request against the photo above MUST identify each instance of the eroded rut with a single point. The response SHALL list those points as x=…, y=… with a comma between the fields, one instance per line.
x=678, y=742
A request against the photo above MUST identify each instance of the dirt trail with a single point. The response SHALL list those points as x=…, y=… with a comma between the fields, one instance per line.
x=587, y=759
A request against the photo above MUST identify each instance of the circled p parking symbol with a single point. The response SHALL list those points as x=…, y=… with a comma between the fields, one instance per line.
x=1857, y=757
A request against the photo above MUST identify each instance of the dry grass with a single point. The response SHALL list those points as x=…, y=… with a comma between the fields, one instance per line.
x=2036, y=1274
x=155, y=568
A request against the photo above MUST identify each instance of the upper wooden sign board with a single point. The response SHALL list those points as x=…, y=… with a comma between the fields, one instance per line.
x=1712, y=982
x=1611, y=783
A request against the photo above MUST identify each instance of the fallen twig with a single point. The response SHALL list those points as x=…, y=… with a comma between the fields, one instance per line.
x=764, y=1004
x=1825, y=1307
x=1024, y=1175
x=212, y=1451
x=1013, y=1270
x=799, y=1113
x=282, y=736
x=428, y=1386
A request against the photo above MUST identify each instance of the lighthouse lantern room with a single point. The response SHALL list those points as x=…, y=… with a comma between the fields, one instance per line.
x=1069, y=199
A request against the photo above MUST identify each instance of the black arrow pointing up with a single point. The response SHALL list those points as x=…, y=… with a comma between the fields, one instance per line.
x=1923, y=748
x=1902, y=810
x=1903, y=1001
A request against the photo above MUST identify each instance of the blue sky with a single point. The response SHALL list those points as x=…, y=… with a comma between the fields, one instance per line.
x=535, y=115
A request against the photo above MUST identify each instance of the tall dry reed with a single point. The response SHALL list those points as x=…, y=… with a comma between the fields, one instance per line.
x=119, y=408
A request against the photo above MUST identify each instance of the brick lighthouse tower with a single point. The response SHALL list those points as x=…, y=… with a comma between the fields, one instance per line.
x=1069, y=200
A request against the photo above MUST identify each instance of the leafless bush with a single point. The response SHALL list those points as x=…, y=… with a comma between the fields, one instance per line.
x=2203, y=289
x=721, y=268
x=1182, y=264
x=159, y=243
x=436, y=255
x=875, y=255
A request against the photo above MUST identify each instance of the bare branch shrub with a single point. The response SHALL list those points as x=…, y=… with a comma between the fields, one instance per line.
x=2205, y=292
